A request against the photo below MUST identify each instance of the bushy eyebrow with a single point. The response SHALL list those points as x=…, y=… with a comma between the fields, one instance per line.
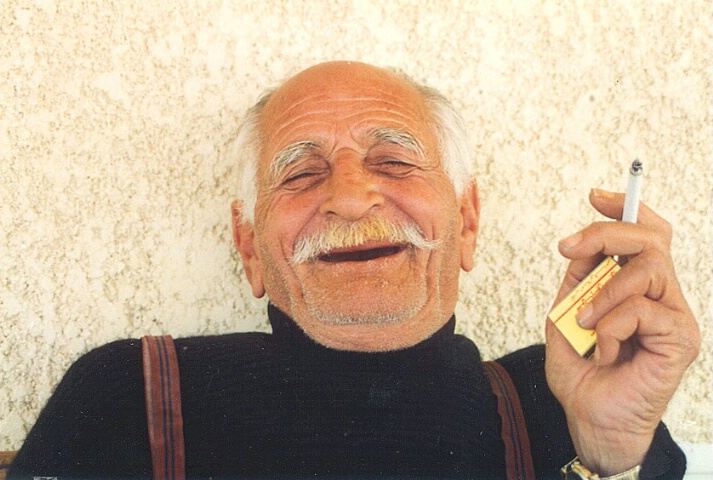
x=291, y=153
x=398, y=137
x=294, y=151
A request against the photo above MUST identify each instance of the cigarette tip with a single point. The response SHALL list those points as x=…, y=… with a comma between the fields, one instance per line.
x=637, y=168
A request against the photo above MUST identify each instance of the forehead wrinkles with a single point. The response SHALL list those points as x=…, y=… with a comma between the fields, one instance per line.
x=353, y=115
x=395, y=105
x=358, y=126
x=396, y=102
x=318, y=120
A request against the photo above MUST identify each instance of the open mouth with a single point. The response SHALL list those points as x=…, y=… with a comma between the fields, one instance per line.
x=361, y=255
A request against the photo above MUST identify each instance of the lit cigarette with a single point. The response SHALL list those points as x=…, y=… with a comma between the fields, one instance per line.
x=633, y=192
x=564, y=314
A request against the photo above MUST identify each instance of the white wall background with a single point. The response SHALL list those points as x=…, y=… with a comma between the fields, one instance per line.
x=114, y=190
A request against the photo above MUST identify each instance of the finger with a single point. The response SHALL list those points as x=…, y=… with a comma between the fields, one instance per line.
x=613, y=333
x=640, y=323
x=614, y=238
x=562, y=360
x=557, y=342
x=649, y=275
x=577, y=270
x=611, y=204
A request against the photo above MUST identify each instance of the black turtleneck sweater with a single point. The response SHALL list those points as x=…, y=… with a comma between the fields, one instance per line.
x=280, y=405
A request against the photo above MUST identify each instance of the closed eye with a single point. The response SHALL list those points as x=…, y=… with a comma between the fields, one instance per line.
x=393, y=167
x=303, y=180
x=298, y=176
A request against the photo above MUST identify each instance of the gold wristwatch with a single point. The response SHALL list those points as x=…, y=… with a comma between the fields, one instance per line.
x=574, y=470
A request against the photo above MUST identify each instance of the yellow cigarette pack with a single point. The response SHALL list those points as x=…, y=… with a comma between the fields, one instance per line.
x=564, y=314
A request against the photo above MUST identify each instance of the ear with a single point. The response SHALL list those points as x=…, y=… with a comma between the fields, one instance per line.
x=470, y=216
x=244, y=238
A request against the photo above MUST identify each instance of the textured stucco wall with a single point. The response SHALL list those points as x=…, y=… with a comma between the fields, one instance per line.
x=114, y=189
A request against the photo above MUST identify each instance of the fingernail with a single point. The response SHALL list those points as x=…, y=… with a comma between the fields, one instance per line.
x=599, y=193
x=584, y=315
x=570, y=241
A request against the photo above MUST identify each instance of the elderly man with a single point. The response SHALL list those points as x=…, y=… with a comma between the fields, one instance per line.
x=356, y=213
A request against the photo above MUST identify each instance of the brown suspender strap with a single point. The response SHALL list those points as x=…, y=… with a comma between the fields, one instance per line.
x=518, y=456
x=163, y=407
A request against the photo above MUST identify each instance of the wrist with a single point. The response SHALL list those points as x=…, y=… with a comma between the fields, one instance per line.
x=609, y=452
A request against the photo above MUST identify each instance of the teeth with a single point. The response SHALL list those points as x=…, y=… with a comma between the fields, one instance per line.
x=361, y=255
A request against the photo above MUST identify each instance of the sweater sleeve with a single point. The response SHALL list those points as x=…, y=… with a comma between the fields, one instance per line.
x=94, y=425
x=547, y=425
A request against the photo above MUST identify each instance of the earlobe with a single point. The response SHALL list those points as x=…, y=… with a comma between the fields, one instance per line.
x=244, y=238
x=470, y=216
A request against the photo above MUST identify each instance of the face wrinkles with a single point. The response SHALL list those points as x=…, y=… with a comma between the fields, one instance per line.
x=310, y=111
x=400, y=138
x=337, y=151
x=295, y=152
x=290, y=154
x=322, y=126
x=319, y=104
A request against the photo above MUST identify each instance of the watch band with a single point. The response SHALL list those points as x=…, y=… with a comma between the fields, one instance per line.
x=574, y=470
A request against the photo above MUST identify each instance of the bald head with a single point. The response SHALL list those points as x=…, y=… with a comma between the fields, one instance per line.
x=343, y=79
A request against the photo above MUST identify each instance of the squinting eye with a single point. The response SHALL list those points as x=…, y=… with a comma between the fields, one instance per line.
x=397, y=163
x=302, y=180
x=299, y=176
x=392, y=166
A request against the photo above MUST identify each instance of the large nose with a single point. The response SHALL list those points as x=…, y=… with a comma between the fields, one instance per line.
x=352, y=190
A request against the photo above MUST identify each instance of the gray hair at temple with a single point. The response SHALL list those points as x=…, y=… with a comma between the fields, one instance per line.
x=447, y=123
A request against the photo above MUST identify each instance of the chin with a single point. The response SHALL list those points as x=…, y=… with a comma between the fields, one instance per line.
x=342, y=315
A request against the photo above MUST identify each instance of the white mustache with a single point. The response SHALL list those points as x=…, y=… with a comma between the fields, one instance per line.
x=345, y=235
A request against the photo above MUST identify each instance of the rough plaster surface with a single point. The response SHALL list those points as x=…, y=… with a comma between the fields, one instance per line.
x=114, y=218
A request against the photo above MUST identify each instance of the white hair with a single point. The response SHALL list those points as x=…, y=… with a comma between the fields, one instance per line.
x=453, y=138
x=448, y=125
x=245, y=150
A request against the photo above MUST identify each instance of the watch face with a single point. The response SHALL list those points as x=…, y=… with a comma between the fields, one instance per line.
x=575, y=470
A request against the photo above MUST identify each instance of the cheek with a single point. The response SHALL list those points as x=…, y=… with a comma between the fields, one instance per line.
x=433, y=209
x=287, y=219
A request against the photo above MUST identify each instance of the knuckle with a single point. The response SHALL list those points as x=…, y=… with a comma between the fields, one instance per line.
x=597, y=227
x=692, y=342
x=656, y=274
x=666, y=231
x=660, y=236
x=609, y=298
x=662, y=239
x=594, y=229
x=653, y=268
x=654, y=264
x=638, y=305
